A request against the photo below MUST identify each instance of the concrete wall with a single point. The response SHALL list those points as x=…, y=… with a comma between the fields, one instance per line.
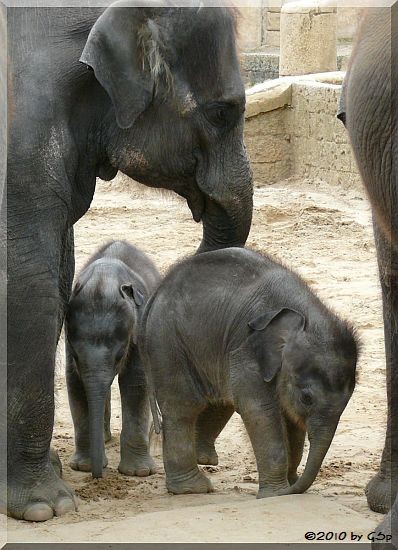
x=291, y=130
x=319, y=142
x=268, y=141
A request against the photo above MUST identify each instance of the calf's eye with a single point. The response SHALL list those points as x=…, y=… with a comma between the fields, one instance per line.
x=306, y=397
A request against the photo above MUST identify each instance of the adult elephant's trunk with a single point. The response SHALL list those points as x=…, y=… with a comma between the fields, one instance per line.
x=320, y=439
x=96, y=392
x=225, y=178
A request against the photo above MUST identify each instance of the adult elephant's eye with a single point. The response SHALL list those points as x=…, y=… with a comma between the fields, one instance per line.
x=306, y=397
x=218, y=115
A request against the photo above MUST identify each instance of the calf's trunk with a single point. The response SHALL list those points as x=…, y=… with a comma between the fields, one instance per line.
x=320, y=440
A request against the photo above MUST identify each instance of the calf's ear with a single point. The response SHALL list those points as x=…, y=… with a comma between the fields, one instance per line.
x=124, y=51
x=130, y=293
x=271, y=331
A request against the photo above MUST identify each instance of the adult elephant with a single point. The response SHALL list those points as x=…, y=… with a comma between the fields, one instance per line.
x=155, y=92
x=370, y=111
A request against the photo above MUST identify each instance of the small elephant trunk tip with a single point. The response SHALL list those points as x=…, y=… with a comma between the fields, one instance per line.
x=319, y=446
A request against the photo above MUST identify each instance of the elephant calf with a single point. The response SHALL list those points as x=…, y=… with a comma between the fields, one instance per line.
x=101, y=342
x=234, y=330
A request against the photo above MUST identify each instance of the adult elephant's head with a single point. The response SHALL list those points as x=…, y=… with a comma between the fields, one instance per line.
x=176, y=110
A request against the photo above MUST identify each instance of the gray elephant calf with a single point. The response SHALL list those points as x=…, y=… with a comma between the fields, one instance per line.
x=234, y=330
x=101, y=336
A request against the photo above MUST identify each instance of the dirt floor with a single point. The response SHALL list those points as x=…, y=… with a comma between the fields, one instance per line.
x=325, y=234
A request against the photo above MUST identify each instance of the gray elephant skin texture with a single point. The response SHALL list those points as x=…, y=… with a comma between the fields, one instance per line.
x=154, y=91
x=101, y=329
x=370, y=111
x=234, y=330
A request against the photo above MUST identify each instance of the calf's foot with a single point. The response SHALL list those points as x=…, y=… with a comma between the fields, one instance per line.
x=81, y=461
x=271, y=491
x=38, y=498
x=206, y=454
x=137, y=465
x=194, y=482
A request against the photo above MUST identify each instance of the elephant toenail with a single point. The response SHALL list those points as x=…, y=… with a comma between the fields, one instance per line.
x=64, y=505
x=39, y=511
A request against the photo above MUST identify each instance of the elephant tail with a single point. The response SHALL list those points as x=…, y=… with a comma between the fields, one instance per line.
x=143, y=349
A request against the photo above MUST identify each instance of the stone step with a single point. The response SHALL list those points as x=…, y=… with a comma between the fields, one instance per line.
x=259, y=66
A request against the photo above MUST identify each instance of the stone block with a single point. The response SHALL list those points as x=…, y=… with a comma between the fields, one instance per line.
x=250, y=28
x=308, y=38
x=272, y=38
x=273, y=122
x=268, y=100
x=259, y=66
x=273, y=21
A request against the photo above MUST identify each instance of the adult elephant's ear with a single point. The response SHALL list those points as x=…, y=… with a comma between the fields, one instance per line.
x=116, y=49
x=271, y=331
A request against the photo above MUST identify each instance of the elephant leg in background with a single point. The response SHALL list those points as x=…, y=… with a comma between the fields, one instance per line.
x=79, y=408
x=381, y=491
x=34, y=491
x=264, y=424
x=296, y=438
x=209, y=425
x=135, y=459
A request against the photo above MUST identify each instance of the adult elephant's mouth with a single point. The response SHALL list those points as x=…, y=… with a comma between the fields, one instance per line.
x=196, y=203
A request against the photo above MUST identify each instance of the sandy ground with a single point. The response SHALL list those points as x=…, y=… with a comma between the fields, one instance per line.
x=325, y=234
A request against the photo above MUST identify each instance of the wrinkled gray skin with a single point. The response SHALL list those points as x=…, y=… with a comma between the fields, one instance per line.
x=370, y=111
x=101, y=328
x=237, y=331
x=163, y=103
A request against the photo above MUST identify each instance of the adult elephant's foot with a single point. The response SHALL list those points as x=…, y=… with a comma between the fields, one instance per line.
x=380, y=492
x=140, y=466
x=194, y=482
x=206, y=454
x=386, y=534
x=81, y=461
x=39, y=499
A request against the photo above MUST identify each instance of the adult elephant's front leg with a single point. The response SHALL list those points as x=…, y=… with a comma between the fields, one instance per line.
x=34, y=490
x=381, y=491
